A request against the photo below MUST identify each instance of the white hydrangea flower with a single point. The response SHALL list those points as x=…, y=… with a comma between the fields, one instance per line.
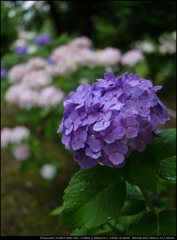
x=48, y=171
x=145, y=46
x=132, y=57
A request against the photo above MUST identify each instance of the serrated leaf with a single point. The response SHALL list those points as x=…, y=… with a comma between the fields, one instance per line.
x=162, y=224
x=167, y=168
x=93, y=197
x=165, y=144
x=131, y=208
x=140, y=169
x=165, y=148
x=133, y=193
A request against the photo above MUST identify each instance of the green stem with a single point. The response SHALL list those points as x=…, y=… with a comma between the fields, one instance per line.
x=147, y=200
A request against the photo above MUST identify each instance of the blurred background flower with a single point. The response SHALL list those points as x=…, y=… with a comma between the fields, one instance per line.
x=21, y=152
x=48, y=171
x=43, y=40
x=3, y=73
x=21, y=50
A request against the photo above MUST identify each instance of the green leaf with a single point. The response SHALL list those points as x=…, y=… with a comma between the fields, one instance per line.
x=57, y=211
x=44, y=112
x=167, y=168
x=133, y=193
x=165, y=148
x=93, y=197
x=131, y=208
x=140, y=169
x=162, y=224
x=122, y=222
x=165, y=144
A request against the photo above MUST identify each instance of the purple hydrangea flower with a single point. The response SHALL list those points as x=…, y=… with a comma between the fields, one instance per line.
x=3, y=73
x=43, y=40
x=105, y=121
x=21, y=50
x=50, y=61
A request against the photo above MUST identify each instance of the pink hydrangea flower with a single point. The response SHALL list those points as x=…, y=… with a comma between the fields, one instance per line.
x=21, y=152
x=50, y=96
x=85, y=57
x=28, y=99
x=62, y=67
x=5, y=136
x=36, y=79
x=59, y=52
x=81, y=42
x=108, y=56
x=13, y=93
x=16, y=73
x=36, y=63
x=18, y=134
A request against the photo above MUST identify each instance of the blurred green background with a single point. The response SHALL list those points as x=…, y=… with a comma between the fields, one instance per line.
x=27, y=199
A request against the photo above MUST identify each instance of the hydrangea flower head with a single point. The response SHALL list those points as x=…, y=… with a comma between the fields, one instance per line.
x=43, y=40
x=50, y=96
x=132, y=57
x=36, y=79
x=19, y=133
x=5, y=136
x=36, y=63
x=21, y=152
x=17, y=72
x=105, y=121
x=3, y=73
x=48, y=171
x=21, y=50
x=15, y=135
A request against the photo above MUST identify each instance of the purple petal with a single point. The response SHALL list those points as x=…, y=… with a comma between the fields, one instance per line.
x=96, y=145
x=90, y=153
x=101, y=125
x=60, y=129
x=69, y=130
x=116, y=158
x=66, y=141
x=131, y=132
x=84, y=161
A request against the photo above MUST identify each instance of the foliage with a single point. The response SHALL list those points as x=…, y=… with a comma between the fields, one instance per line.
x=7, y=37
x=101, y=195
